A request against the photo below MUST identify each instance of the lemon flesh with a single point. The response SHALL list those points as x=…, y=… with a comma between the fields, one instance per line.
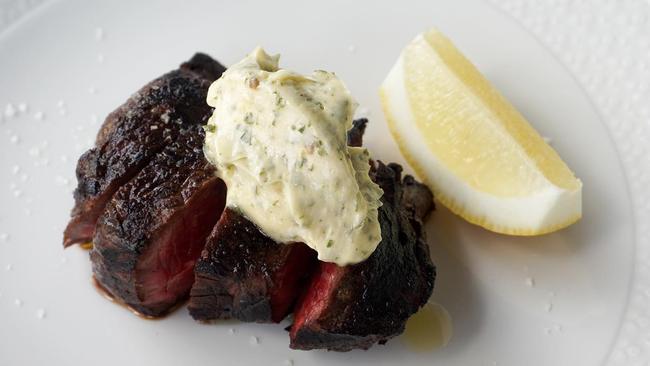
x=478, y=154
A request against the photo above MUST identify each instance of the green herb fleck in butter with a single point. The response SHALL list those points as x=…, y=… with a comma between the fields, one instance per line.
x=278, y=140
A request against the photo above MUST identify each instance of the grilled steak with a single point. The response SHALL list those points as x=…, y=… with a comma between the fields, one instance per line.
x=155, y=197
x=355, y=134
x=154, y=228
x=341, y=308
x=133, y=134
x=356, y=306
x=153, y=205
x=244, y=274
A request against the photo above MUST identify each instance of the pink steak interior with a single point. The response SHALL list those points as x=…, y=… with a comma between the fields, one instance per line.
x=290, y=279
x=165, y=271
x=317, y=296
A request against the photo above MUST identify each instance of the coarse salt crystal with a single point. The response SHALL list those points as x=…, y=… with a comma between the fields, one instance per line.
x=39, y=116
x=530, y=282
x=99, y=33
x=14, y=139
x=15, y=169
x=100, y=58
x=61, y=180
x=10, y=110
x=18, y=302
x=22, y=107
x=40, y=313
x=254, y=340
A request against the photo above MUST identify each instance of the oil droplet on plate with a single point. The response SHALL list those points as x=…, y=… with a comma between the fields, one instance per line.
x=428, y=329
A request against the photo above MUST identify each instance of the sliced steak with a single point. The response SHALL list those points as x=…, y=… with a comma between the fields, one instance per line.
x=356, y=306
x=154, y=228
x=133, y=134
x=245, y=275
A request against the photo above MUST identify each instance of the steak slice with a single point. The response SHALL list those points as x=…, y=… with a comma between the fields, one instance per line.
x=358, y=305
x=154, y=228
x=245, y=275
x=133, y=134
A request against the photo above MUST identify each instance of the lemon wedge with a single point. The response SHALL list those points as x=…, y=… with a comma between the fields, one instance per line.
x=477, y=153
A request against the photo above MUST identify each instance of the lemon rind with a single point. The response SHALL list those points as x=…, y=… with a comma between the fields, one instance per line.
x=463, y=208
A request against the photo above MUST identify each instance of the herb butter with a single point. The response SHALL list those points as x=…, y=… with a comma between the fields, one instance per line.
x=278, y=140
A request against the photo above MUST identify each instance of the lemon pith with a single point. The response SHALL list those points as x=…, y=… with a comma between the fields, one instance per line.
x=476, y=152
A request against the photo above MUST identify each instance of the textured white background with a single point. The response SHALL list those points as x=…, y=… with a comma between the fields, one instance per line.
x=606, y=46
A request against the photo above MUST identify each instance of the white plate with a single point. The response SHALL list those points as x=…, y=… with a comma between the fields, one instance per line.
x=551, y=300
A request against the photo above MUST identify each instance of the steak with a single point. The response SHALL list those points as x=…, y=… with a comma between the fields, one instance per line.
x=243, y=274
x=356, y=306
x=135, y=133
x=355, y=134
x=148, y=194
x=154, y=228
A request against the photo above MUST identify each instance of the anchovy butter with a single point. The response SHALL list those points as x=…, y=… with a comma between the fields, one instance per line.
x=278, y=140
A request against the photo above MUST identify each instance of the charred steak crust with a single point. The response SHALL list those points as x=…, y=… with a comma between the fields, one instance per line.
x=356, y=306
x=156, y=197
x=355, y=134
x=242, y=273
x=154, y=227
x=133, y=134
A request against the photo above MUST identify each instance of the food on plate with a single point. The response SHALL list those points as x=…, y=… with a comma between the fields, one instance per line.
x=278, y=140
x=267, y=286
x=135, y=133
x=153, y=223
x=341, y=307
x=243, y=274
x=308, y=224
x=358, y=305
x=477, y=153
